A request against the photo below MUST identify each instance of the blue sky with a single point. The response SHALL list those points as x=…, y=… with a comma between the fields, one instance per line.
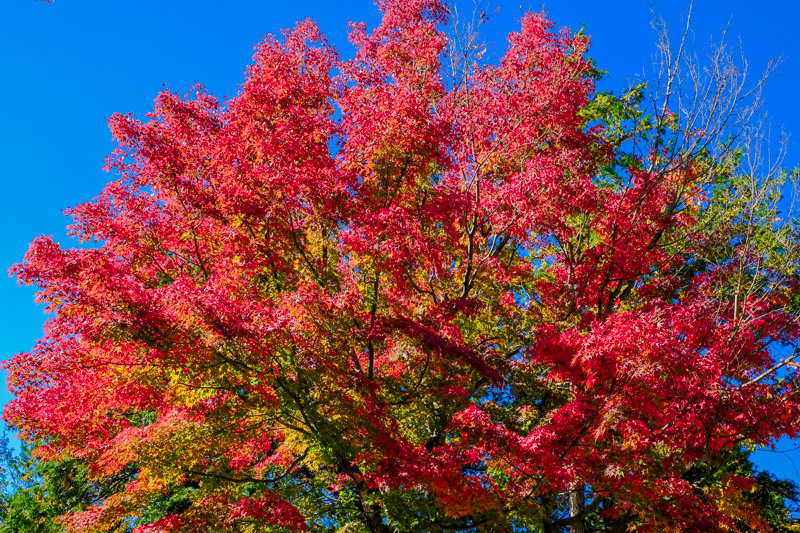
x=69, y=64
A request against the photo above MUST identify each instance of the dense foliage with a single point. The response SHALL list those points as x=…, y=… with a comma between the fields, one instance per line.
x=34, y=493
x=411, y=292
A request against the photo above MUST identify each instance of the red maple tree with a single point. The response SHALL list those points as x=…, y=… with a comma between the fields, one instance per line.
x=380, y=296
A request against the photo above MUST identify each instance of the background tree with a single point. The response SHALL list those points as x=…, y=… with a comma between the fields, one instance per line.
x=370, y=296
x=35, y=493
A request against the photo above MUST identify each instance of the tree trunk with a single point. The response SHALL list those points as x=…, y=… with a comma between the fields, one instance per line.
x=577, y=501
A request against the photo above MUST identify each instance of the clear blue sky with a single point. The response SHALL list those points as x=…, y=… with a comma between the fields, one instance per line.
x=69, y=64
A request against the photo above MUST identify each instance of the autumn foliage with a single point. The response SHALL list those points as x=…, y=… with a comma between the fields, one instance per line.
x=375, y=295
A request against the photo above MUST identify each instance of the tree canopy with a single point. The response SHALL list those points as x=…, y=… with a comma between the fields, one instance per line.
x=415, y=292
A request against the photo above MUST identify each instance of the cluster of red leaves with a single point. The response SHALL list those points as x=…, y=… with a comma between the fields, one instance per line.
x=387, y=282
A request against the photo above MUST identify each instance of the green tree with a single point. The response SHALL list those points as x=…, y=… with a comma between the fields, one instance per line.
x=35, y=492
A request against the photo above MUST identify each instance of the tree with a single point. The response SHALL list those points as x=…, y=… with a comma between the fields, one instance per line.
x=408, y=292
x=35, y=493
